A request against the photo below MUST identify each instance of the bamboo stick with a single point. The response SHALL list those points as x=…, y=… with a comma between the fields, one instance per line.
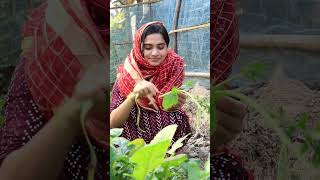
x=175, y=25
x=197, y=75
x=299, y=42
x=137, y=4
x=191, y=28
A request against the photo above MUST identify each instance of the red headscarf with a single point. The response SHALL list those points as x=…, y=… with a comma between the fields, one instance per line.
x=59, y=40
x=224, y=37
x=169, y=74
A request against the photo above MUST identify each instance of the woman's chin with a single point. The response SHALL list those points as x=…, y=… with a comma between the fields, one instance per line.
x=154, y=63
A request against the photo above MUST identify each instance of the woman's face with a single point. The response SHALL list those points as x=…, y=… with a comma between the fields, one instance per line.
x=154, y=49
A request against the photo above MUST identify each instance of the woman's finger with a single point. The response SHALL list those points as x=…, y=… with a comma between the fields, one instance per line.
x=152, y=102
x=182, y=96
x=231, y=106
x=155, y=88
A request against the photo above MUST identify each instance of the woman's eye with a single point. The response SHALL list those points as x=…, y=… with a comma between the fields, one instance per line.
x=147, y=48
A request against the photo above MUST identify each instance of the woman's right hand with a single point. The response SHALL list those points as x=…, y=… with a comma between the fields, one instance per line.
x=146, y=89
x=93, y=86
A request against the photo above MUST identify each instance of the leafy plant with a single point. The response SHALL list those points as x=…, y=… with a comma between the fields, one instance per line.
x=117, y=20
x=171, y=98
x=138, y=160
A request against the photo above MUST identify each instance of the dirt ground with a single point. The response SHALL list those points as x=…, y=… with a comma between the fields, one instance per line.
x=198, y=146
x=258, y=145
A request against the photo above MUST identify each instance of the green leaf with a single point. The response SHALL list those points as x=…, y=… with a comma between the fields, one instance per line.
x=253, y=71
x=193, y=170
x=207, y=165
x=112, y=161
x=190, y=83
x=137, y=143
x=116, y=132
x=303, y=119
x=166, y=133
x=122, y=143
x=148, y=158
x=170, y=99
x=177, y=144
x=175, y=160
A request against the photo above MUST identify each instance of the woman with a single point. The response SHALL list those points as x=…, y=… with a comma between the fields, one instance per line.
x=150, y=70
x=64, y=48
x=230, y=113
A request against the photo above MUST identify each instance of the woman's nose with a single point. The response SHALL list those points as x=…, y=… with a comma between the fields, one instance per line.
x=155, y=52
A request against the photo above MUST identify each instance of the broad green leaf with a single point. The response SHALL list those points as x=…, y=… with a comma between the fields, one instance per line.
x=175, y=160
x=116, y=132
x=172, y=162
x=166, y=133
x=177, y=144
x=148, y=158
x=207, y=165
x=122, y=143
x=193, y=170
x=112, y=160
x=137, y=143
x=206, y=173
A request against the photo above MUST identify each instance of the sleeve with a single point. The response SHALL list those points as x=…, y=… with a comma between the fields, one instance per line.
x=225, y=37
x=116, y=97
x=23, y=119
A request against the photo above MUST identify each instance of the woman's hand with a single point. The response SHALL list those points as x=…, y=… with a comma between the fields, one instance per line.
x=146, y=89
x=181, y=101
x=93, y=86
x=230, y=114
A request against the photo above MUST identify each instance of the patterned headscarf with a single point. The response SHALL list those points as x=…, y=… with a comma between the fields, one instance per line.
x=169, y=74
x=224, y=38
x=60, y=39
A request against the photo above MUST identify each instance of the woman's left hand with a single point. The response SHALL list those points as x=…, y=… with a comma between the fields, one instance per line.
x=181, y=101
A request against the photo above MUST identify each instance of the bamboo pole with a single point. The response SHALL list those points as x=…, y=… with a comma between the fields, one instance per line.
x=175, y=25
x=190, y=28
x=137, y=4
x=197, y=75
x=286, y=41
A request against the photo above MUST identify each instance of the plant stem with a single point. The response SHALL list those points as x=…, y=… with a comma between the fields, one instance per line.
x=85, y=107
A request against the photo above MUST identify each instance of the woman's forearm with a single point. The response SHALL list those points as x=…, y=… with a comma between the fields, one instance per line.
x=43, y=156
x=120, y=115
